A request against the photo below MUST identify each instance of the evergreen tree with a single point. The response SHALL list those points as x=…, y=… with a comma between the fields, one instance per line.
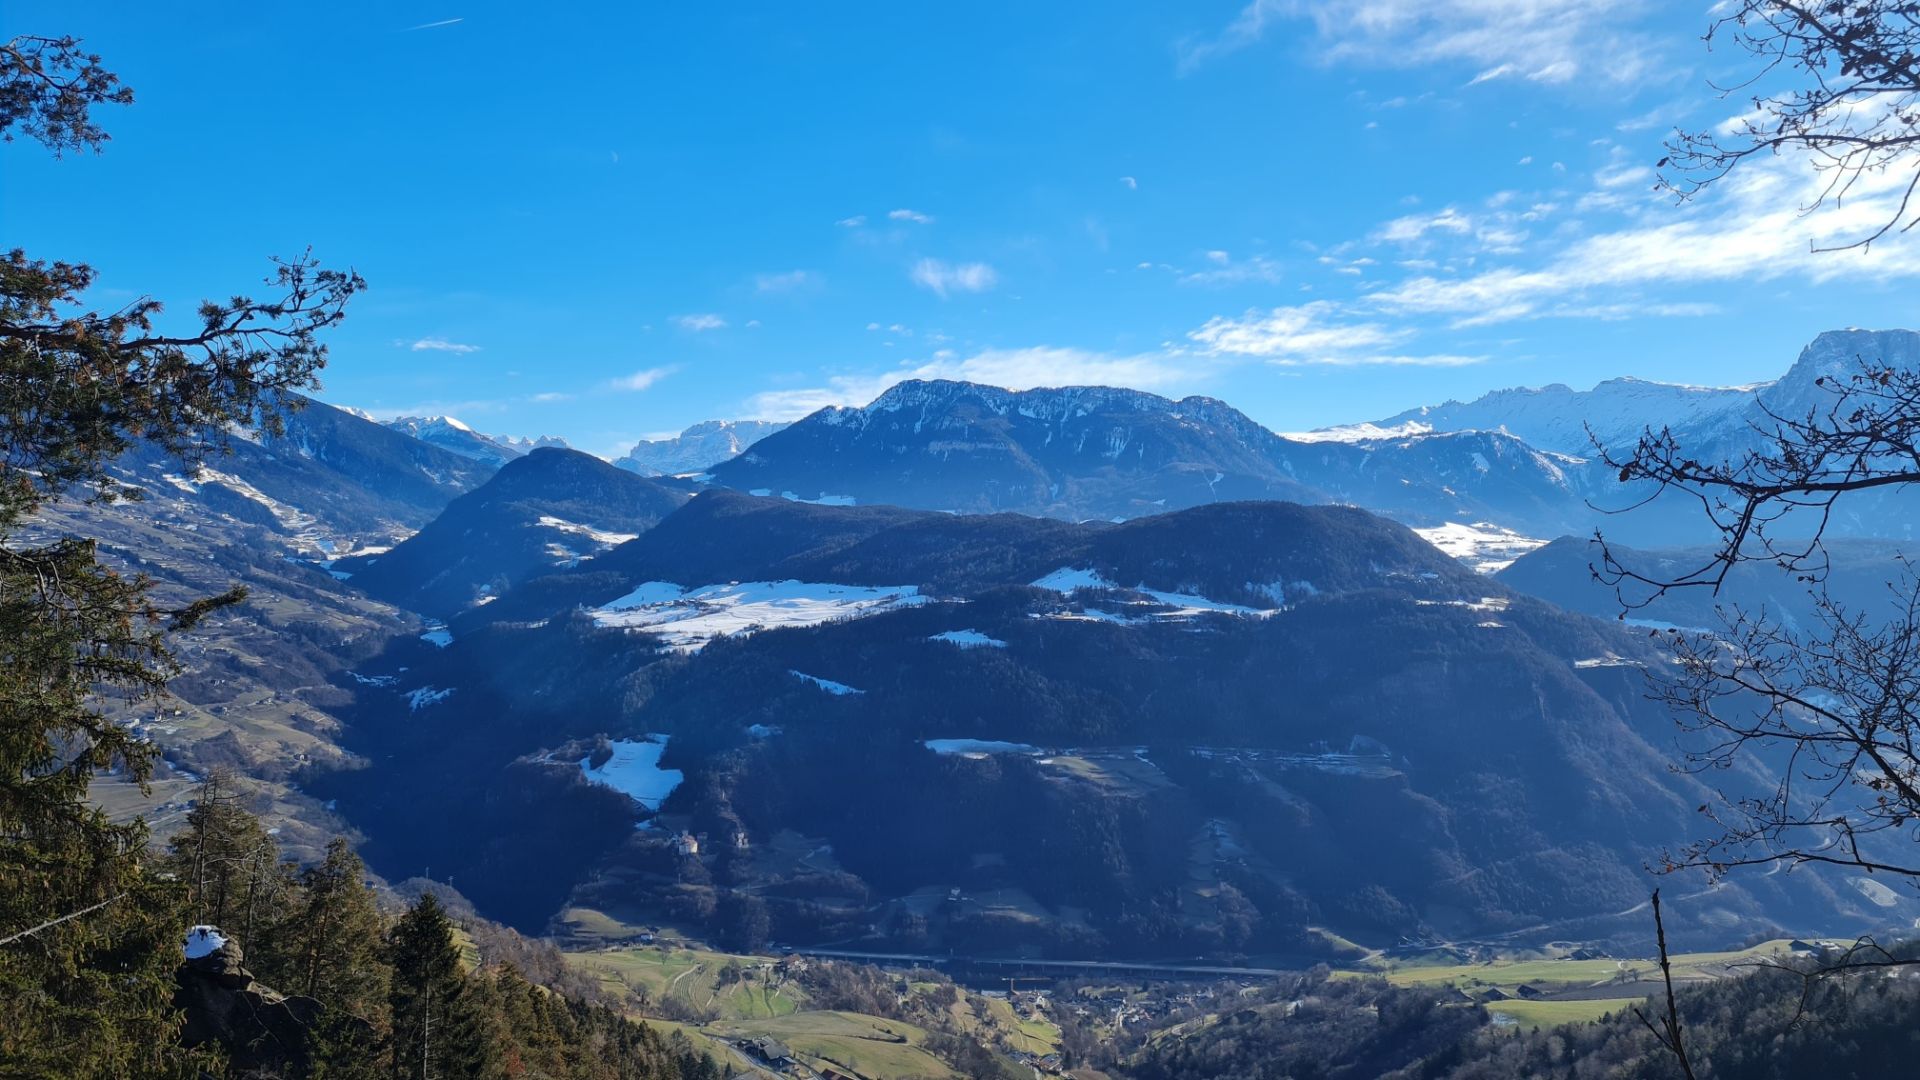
x=229, y=864
x=88, y=938
x=332, y=942
x=433, y=1016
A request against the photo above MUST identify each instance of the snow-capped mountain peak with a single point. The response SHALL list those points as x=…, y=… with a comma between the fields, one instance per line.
x=450, y=433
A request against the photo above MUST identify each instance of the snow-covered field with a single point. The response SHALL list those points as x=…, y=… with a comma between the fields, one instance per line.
x=600, y=537
x=686, y=619
x=1486, y=547
x=1185, y=605
x=978, y=747
x=634, y=771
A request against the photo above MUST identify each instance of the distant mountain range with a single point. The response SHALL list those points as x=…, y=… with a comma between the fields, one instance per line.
x=698, y=448
x=1083, y=453
x=450, y=434
x=1184, y=661
x=1616, y=411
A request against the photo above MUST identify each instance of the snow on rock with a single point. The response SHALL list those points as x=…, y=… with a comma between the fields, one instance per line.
x=634, y=771
x=978, y=748
x=686, y=619
x=203, y=941
x=837, y=689
x=438, y=635
x=824, y=500
x=426, y=696
x=1484, y=546
x=969, y=639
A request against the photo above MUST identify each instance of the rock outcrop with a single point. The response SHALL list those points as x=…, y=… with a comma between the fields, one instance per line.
x=263, y=1031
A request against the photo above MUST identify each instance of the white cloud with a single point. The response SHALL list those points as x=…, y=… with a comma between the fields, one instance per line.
x=914, y=216
x=438, y=344
x=1413, y=227
x=944, y=278
x=1750, y=229
x=433, y=25
x=853, y=222
x=700, y=323
x=643, y=379
x=1015, y=369
x=786, y=281
x=1132, y=184
x=550, y=397
x=1546, y=41
x=1222, y=269
x=1320, y=333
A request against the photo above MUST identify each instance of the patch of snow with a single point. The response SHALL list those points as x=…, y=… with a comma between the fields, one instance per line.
x=835, y=688
x=977, y=748
x=426, y=696
x=203, y=941
x=599, y=536
x=1066, y=579
x=969, y=639
x=824, y=500
x=760, y=493
x=438, y=635
x=1185, y=605
x=1484, y=546
x=768, y=731
x=634, y=771
x=1609, y=660
x=686, y=619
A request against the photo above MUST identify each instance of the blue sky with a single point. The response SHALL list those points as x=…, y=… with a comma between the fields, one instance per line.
x=607, y=221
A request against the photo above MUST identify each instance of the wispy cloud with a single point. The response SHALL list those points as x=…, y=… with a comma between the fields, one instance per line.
x=643, y=379
x=1223, y=269
x=1750, y=231
x=944, y=278
x=786, y=281
x=700, y=322
x=433, y=25
x=853, y=222
x=439, y=344
x=1015, y=369
x=550, y=397
x=914, y=216
x=1321, y=334
x=1131, y=183
x=1545, y=41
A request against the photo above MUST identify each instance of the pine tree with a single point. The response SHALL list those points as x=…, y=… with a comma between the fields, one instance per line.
x=88, y=938
x=332, y=942
x=229, y=864
x=435, y=1029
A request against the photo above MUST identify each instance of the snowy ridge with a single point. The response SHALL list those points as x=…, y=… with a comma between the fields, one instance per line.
x=1557, y=417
